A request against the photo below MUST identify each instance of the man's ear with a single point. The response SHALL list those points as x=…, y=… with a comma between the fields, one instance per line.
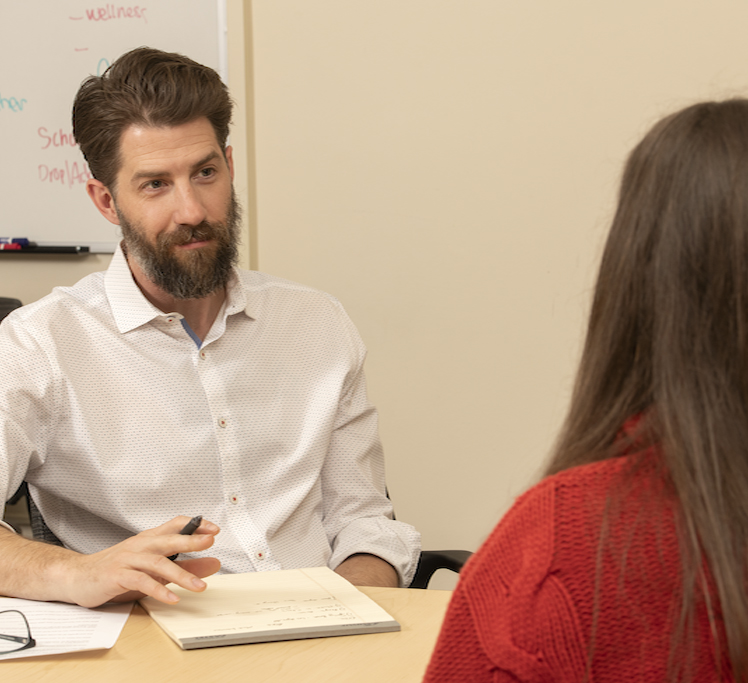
x=230, y=160
x=103, y=200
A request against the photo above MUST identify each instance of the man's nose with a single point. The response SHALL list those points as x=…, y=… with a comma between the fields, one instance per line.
x=189, y=208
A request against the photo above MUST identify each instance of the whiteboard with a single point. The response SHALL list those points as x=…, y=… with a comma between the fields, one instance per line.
x=48, y=48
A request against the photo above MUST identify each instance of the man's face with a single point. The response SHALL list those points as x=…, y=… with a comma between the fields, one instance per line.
x=176, y=207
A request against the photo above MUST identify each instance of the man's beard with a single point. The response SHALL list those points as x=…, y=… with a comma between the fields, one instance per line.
x=194, y=273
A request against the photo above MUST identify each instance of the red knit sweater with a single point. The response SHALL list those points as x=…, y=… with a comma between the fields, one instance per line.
x=525, y=603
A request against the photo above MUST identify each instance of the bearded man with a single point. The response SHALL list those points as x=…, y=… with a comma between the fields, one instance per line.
x=176, y=384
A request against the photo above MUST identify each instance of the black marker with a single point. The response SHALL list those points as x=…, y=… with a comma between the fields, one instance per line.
x=187, y=530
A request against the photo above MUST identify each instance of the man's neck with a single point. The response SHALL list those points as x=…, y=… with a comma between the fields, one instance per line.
x=199, y=313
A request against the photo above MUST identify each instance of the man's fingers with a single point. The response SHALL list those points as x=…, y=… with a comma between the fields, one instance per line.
x=188, y=544
x=186, y=574
x=140, y=566
x=201, y=567
x=138, y=584
x=162, y=569
x=208, y=527
x=168, y=544
x=174, y=526
x=149, y=576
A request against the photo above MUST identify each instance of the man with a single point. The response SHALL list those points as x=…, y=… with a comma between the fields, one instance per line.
x=175, y=384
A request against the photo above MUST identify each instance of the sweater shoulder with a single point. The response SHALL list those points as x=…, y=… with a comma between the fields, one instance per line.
x=518, y=599
x=533, y=585
x=527, y=531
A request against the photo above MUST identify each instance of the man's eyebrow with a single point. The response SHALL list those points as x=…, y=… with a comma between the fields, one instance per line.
x=144, y=175
x=206, y=160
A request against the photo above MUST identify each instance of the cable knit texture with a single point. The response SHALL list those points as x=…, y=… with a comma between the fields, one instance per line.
x=525, y=606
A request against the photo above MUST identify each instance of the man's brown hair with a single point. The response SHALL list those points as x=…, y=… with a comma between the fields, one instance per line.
x=145, y=87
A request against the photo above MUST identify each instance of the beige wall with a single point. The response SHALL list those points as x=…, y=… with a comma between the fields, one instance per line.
x=448, y=169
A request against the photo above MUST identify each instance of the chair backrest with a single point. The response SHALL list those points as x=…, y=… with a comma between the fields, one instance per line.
x=7, y=305
x=39, y=527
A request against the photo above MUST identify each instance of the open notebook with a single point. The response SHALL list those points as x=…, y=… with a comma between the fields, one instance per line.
x=266, y=606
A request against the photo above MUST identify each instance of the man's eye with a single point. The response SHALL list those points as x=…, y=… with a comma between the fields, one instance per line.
x=207, y=172
x=155, y=184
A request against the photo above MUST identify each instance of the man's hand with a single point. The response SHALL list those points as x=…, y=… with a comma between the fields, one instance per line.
x=135, y=567
x=141, y=566
x=368, y=570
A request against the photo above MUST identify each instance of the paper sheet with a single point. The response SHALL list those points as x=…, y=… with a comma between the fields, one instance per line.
x=58, y=627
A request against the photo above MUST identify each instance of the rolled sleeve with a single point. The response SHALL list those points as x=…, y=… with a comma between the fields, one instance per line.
x=29, y=401
x=358, y=515
x=394, y=542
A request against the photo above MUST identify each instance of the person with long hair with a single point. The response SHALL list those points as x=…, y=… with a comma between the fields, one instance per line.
x=627, y=562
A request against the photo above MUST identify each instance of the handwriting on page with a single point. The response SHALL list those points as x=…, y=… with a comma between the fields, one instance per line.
x=275, y=613
x=257, y=602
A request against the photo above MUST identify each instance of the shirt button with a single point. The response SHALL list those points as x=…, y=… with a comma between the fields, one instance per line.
x=203, y=355
x=234, y=499
x=222, y=422
x=170, y=320
x=260, y=555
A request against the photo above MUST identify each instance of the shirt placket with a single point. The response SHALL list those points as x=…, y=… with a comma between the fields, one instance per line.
x=234, y=490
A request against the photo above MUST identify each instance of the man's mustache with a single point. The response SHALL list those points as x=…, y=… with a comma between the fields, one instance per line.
x=184, y=234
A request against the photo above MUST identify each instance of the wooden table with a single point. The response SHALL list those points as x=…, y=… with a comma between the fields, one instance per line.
x=144, y=653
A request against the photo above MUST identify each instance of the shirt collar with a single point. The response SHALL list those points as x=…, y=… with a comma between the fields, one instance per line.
x=131, y=309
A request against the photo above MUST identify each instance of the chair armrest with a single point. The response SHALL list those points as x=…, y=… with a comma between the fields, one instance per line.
x=431, y=560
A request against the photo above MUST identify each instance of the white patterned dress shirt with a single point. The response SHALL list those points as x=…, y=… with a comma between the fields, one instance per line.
x=119, y=420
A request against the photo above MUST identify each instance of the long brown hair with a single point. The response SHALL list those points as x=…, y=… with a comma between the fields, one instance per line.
x=668, y=337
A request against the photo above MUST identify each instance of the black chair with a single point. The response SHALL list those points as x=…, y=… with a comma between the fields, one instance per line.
x=432, y=560
x=7, y=305
x=21, y=492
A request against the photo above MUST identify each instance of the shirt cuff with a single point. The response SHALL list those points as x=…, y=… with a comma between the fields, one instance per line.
x=395, y=542
x=8, y=526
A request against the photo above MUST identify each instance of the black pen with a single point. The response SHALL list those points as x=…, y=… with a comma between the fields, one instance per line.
x=187, y=530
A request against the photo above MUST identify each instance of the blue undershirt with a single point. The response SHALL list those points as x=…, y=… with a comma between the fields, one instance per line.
x=189, y=331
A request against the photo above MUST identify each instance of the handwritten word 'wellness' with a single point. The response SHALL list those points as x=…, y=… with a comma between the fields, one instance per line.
x=109, y=12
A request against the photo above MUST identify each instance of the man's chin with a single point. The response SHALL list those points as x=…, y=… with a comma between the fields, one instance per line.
x=194, y=253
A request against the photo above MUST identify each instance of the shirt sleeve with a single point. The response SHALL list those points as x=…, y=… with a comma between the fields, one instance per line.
x=358, y=515
x=29, y=401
